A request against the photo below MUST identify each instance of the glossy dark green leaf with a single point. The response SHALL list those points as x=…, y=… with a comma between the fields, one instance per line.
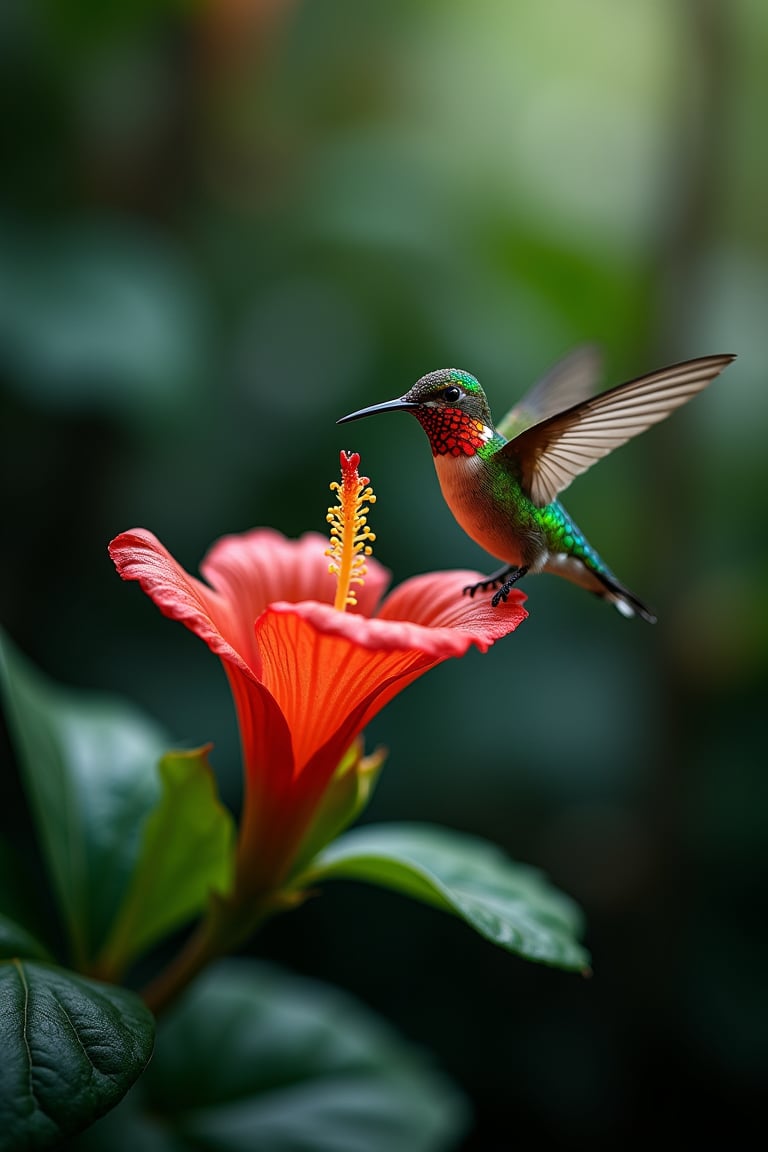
x=254, y=1058
x=70, y=1047
x=187, y=851
x=511, y=904
x=89, y=765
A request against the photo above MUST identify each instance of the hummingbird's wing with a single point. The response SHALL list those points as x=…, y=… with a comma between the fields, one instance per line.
x=550, y=454
x=569, y=381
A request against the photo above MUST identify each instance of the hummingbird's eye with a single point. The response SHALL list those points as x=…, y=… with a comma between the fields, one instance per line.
x=451, y=394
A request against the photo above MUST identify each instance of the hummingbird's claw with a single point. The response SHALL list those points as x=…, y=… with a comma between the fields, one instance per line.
x=515, y=574
x=507, y=573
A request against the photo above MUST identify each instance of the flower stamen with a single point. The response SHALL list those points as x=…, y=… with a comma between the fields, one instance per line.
x=351, y=538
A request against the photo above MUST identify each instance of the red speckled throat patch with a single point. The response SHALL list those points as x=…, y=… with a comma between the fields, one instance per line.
x=451, y=432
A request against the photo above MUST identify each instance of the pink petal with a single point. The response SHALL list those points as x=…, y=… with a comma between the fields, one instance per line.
x=427, y=613
x=245, y=573
x=139, y=555
x=321, y=666
x=270, y=822
x=330, y=671
x=255, y=568
x=435, y=601
x=305, y=678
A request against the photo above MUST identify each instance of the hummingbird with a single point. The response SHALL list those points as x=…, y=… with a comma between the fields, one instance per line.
x=502, y=482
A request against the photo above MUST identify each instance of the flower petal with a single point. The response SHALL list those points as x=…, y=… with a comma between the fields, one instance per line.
x=330, y=671
x=245, y=572
x=305, y=677
x=322, y=665
x=271, y=824
x=253, y=569
x=139, y=555
x=427, y=613
x=435, y=601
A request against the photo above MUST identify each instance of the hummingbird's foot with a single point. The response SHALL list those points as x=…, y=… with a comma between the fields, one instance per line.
x=508, y=572
x=506, y=588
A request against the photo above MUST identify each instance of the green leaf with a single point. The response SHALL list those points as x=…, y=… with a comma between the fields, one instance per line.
x=16, y=941
x=71, y=1048
x=187, y=851
x=89, y=768
x=254, y=1058
x=510, y=904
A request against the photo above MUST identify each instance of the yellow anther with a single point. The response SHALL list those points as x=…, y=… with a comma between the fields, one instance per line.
x=351, y=538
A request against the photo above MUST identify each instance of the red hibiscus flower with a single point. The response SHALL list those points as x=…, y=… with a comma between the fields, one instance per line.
x=310, y=661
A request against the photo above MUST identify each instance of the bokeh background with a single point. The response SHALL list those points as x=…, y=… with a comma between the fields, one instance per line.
x=225, y=224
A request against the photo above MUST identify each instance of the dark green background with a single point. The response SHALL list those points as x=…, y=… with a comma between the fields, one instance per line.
x=224, y=225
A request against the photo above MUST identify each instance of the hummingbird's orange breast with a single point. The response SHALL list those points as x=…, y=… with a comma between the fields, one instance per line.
x=467, y=486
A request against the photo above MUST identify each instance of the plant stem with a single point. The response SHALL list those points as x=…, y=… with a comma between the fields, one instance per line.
x=198, y=951
x=228, y=923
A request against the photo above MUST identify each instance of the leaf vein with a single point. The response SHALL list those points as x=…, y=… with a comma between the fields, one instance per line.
x=76, y=1034
x=31, y=1082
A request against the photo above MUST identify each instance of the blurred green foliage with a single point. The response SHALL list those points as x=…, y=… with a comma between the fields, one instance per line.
x=223, y=225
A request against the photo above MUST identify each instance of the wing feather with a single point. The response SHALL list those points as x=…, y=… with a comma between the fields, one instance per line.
x=568, y=382
x=553, y=452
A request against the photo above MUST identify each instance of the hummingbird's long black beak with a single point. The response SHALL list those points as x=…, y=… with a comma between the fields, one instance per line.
x=400, y=405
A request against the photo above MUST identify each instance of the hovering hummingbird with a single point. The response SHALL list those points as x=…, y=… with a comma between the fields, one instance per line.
x=502, y=483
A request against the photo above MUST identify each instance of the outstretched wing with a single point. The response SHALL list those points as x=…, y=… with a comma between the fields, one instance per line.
x=568, y=382
x=550, y=454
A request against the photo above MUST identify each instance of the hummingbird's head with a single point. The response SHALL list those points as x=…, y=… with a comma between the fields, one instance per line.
x=451, y=407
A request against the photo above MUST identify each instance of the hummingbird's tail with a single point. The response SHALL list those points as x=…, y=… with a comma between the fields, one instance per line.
x=590, y=572
x=623, y=600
